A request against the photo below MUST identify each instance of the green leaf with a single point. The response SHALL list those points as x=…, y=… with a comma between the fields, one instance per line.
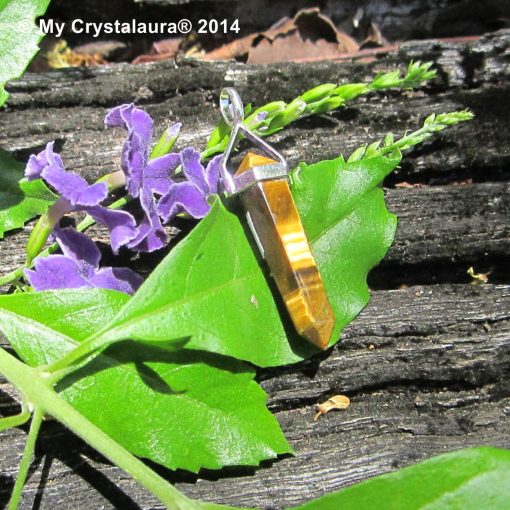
x=345, y=217
x=40, y=324
x=211, y=286
x=184, y=409
x=469, y=479
x=19, y=200
x=19, y=37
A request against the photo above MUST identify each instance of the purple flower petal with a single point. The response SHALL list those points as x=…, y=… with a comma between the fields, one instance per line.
x=151, y=235
x=79, y=267
x=140, y=123
x=133, y=164
x=116, y=117
x=193, y=168
x=183, y=196
x=158, y=172
x=122, y=279
x=78, y=246
x=212, y=174
x=56, y=272
x=121, y=224
x=137, y=148
x=135, y=152
x=36, y=164
x=70, y=185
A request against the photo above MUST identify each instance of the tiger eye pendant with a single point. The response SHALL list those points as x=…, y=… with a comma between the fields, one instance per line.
x=263, y=190
x=274, y=219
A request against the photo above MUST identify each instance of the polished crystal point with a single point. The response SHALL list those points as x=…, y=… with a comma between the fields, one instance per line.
x=275, y=223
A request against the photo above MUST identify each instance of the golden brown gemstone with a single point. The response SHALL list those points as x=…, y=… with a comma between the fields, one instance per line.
x=275, y=219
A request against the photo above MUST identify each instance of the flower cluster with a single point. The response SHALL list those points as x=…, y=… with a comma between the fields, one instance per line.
x=77, y=195
x=78, y=266
x=153, y=181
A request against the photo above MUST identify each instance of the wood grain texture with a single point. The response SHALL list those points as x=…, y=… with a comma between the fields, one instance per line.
x=427, y=367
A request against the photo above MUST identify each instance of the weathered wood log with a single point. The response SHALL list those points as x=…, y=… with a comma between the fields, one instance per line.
x=427, y=367
x=69, y=106
x=439, y=226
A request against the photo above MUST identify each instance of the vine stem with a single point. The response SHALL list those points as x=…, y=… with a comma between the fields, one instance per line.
x=67, y=363
x=26, y=459
x=43, y=397
x=14, y=421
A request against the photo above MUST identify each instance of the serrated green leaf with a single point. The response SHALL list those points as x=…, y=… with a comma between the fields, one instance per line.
x=211, y=286
x=470, y=479
x=19, y=37
x=185, y=409
x=19, y=200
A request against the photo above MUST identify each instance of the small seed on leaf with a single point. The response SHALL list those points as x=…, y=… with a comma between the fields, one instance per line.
x=336, y=402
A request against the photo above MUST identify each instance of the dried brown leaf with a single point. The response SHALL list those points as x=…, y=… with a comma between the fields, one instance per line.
x=314, y=25
x=61, y=56
x=374, y=38
x=405, y=184
x=309, y=35
x=166, y=49
x=336, y=402
x=107, y=49
x=290, y=48
x=478, y=278
x=235, y=49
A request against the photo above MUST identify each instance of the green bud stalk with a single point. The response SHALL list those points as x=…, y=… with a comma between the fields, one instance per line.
x=165, y=144
x=291, y=113
x=43, y=229
x=318, y=93
x=350, y=90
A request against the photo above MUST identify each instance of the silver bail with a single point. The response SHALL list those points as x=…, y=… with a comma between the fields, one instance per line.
x=232, y=109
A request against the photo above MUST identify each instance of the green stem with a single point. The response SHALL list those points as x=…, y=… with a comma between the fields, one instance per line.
x=62, y=366
x=37, y=391
x=13, y=275
x=402, y=142
x=26, y=459
x=14, y=421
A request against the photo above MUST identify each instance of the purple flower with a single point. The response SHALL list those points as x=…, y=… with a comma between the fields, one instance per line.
x=191, y=195
x=78, y=267
x=77, y=195
x=144, y=176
